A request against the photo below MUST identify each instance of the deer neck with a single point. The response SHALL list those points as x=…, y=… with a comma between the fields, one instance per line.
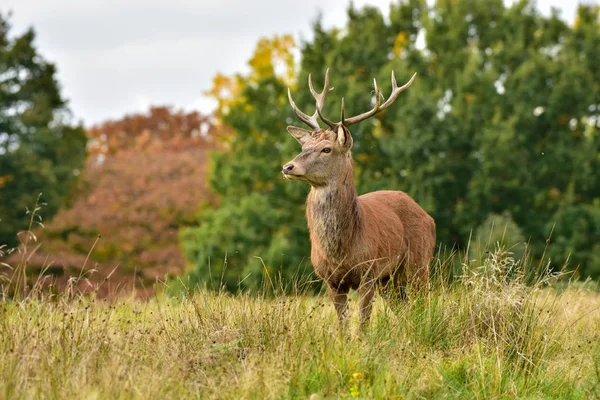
x=333, y=215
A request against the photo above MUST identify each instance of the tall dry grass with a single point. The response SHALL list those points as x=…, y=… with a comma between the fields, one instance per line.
x=500, y=328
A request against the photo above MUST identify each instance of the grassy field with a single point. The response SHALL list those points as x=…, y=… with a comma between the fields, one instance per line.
x=486, y=335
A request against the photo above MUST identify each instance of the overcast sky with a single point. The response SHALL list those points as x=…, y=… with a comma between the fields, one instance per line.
x=120, y=56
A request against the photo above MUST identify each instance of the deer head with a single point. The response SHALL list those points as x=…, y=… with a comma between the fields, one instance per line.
x=326, y=152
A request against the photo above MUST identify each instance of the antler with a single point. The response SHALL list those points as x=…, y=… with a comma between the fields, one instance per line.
x=320, y=100
x=378, y=106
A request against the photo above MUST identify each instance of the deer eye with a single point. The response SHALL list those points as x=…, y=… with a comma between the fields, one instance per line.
x=326, y=150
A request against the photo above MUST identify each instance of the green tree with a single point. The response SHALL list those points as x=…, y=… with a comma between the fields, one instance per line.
x=40, y=152
x=575, y=221
x=503, y=118
x=259, y=214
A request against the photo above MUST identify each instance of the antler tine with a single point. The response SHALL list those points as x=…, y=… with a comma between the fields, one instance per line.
x=395, y=93
x=397, y=90
x=368, y=114
x=320, y=97
x=308, y=120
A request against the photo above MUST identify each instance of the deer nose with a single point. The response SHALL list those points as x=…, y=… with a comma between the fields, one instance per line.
x=287, y=168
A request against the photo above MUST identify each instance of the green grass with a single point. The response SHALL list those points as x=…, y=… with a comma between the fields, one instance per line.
x=486, y=335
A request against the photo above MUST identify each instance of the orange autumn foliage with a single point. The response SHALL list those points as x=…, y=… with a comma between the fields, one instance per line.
x=144, y=178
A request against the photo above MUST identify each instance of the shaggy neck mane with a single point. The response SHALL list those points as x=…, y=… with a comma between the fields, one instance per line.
x=333, y=214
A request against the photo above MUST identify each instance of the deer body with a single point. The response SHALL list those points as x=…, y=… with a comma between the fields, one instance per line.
x=371, y=240
x=357, y=242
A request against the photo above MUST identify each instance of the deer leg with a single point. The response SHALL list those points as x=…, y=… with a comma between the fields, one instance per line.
x=340, y=301
x=365, y=293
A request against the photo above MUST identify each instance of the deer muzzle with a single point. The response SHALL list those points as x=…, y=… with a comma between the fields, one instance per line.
x=292, y=171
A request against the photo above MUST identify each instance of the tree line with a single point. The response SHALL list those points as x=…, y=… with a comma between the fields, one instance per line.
x=500, y=128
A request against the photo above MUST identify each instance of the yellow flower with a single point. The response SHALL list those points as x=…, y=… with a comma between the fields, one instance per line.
x=355, y=380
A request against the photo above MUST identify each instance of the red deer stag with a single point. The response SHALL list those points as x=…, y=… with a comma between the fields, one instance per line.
x=358, y=242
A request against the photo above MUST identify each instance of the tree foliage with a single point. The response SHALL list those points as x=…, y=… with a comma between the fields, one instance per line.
x=160, y=126
x=504, y=117
x=40, y=151
x=252, y=219
x=143, y=179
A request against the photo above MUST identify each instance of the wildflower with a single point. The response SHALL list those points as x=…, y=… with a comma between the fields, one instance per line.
x=355, y=381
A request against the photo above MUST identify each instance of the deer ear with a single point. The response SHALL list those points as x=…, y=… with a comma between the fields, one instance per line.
x=344, y=137
x=301, y=135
